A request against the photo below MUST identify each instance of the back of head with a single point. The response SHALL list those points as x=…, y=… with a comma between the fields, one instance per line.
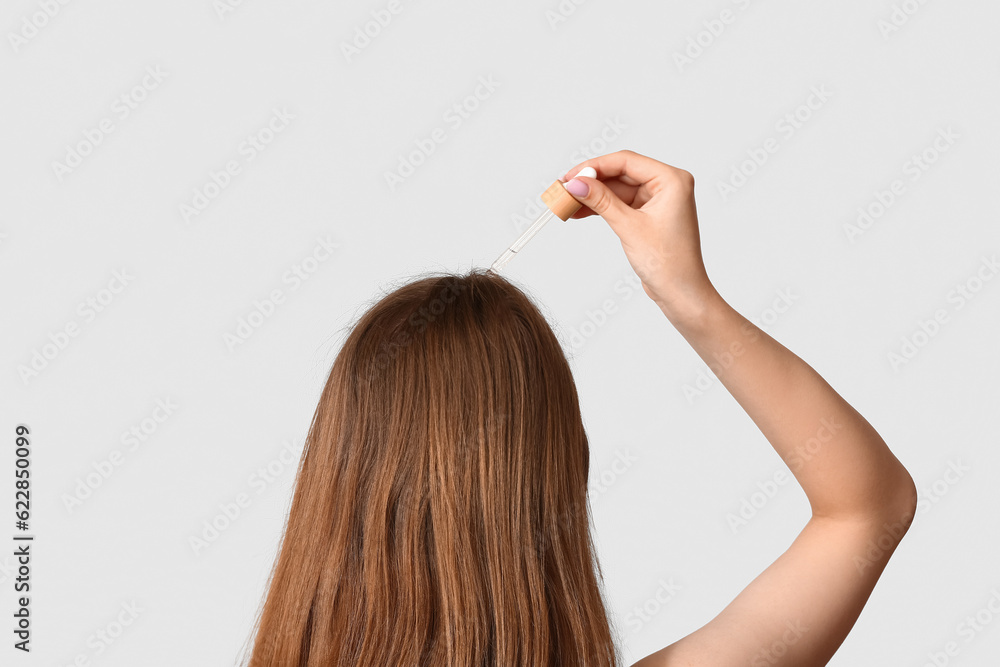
x=440, y=512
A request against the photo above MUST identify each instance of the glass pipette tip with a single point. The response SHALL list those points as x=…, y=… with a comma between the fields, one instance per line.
x=509, y=253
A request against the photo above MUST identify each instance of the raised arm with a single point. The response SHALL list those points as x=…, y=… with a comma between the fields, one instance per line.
x=799, y=610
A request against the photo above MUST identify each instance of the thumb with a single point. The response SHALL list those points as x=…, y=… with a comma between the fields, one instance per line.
x=598, y=198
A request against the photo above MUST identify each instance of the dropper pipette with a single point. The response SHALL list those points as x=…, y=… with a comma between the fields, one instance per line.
x=559, y=203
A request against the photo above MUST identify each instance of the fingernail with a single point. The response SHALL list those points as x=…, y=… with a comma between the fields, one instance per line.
x=577, y=188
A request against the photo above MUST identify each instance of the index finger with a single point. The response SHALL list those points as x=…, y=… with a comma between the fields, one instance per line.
x=627, y=166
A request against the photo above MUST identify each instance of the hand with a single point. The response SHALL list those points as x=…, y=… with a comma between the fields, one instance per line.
x=650, y=206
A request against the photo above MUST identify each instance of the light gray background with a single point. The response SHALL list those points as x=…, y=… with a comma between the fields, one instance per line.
x=571, y=81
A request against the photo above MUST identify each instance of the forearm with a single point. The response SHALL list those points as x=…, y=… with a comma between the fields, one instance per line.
x=841, y=462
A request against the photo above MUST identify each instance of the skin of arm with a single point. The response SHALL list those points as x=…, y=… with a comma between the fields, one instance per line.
x=799, y=610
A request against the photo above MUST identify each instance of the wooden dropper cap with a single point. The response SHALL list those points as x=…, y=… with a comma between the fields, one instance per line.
x=560, y=201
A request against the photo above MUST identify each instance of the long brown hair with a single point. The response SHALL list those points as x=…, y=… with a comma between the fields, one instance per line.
x=440, y=514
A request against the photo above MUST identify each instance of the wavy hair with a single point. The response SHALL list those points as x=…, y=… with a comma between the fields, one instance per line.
x=440, y=513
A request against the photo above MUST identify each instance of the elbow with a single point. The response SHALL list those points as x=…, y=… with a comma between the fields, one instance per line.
x=901, y=500
x=911, y=500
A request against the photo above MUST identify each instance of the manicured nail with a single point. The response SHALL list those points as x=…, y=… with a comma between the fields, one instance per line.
x=577, y=188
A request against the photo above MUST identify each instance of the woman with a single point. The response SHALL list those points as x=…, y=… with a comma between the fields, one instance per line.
x=440, y=511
